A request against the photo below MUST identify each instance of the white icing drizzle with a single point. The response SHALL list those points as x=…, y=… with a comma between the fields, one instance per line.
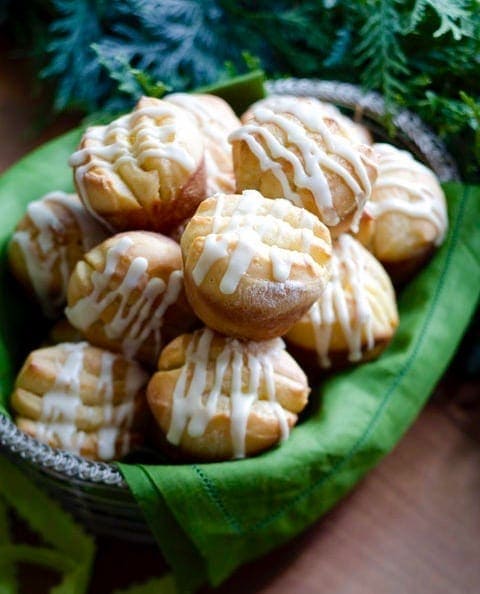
x=135, y=321
x=309, y=160
x=133, y=138
x=246, y=229
x=424, y=200
x=60, y=404
x=50, y=256
x=215, y=128
x=348, y=262
x=195, y=403
x=350, y=128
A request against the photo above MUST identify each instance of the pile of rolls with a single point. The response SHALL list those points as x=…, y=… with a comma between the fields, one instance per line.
x=208, y=268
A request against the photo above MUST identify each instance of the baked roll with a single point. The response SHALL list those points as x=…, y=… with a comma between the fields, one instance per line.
x=47, y=243
x=252, y=265
x=356, y=316
x=127, y=295
x=216, y=120
x=216, y=398
x=406, y=216
x=145, y=170
x=82, y=399
x=292, y=148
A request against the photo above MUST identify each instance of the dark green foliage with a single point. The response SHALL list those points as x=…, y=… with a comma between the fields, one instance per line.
x=420, y=54
x=379, y=53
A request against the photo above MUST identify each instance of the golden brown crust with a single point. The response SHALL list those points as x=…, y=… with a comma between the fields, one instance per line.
x=145, y=170
x=81, y=398
x=263, y=424
x=127, y=295
x=259, y=302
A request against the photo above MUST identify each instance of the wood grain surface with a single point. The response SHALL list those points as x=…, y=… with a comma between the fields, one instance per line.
x=411, y=527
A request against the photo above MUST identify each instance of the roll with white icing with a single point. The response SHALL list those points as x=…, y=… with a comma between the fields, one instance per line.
x=54, y=234
x=252, y=265
x=82, y=399
x=216, y=120
x=216, y=398
x=291, y=147
x=127, y=295
x=406, y=217
x=356, y=316
x=145, y=170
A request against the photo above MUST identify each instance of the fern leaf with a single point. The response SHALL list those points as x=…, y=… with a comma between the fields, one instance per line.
x=416, y=17
x=454, y=17
x=72, y=61
x=379, y=53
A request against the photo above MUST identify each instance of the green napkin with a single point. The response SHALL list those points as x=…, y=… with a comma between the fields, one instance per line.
x=233, y=512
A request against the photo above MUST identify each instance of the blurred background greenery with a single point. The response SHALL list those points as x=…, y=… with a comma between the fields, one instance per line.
x=100, y=55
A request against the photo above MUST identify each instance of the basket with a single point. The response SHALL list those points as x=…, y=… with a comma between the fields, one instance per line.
x=95, y=492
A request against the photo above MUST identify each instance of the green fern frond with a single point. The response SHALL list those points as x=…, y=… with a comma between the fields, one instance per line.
x=379, y=52
x=454, y=15
x=101, y=55
x=71, y=60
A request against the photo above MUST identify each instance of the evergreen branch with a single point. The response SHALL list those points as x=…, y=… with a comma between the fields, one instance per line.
x=71, y=59
x=379, y=51
x=454, y=17
x=419, y=54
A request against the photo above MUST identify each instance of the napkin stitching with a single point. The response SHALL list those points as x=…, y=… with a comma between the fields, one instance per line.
x=213, y=493
x=212, y=490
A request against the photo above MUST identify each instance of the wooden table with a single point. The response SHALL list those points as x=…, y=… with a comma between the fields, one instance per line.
x=411, y=527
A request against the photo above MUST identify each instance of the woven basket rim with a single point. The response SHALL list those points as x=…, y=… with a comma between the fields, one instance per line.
x=368, y=108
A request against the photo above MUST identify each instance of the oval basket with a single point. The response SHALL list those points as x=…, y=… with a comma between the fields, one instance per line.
x=95, y=492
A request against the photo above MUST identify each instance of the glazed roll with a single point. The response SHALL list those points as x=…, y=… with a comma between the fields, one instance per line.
x=82, y=399
x=406, y=216
x=54, y=234
x=252, y=265
x=290, y=147
x=145, y=170
x=127, y=295
x=356, y=316
x=216, y=398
